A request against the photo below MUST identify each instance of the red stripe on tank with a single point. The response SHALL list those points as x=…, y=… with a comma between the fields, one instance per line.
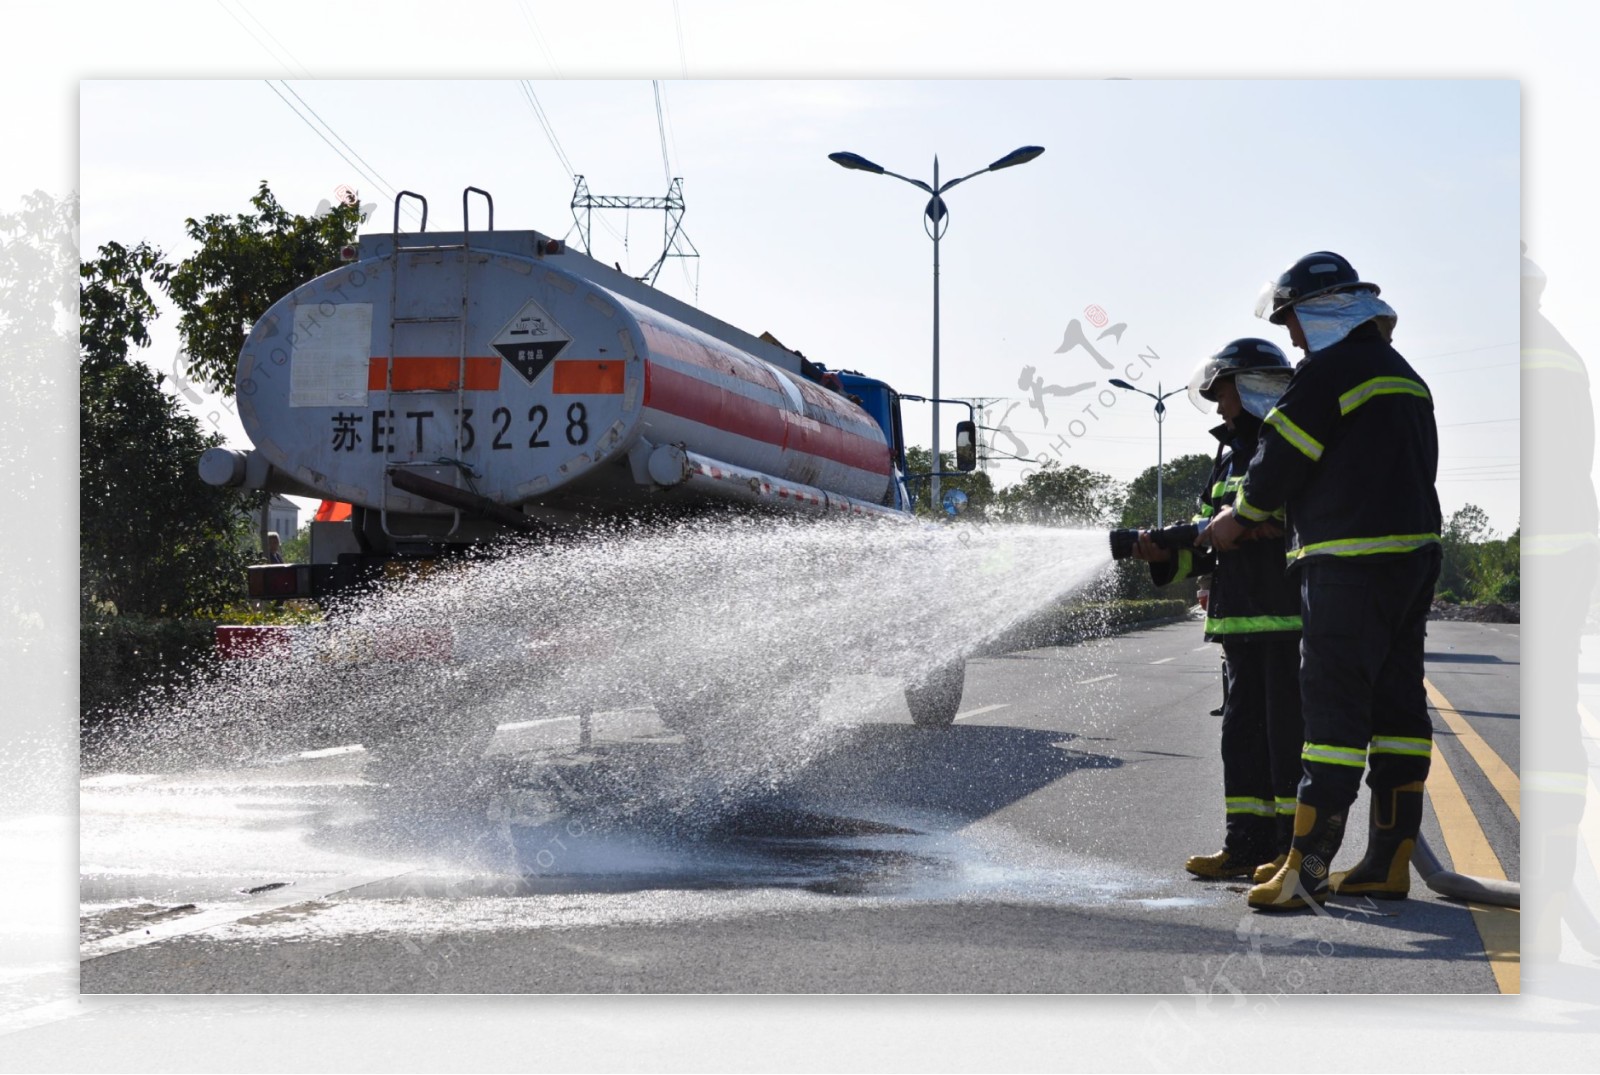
x=684, y=396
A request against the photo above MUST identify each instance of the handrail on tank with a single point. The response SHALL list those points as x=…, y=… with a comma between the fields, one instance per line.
x=420, y=198
x=465, y=225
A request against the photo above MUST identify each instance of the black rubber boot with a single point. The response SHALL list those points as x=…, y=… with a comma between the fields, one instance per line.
x=1384, y=872
x=1304, y=873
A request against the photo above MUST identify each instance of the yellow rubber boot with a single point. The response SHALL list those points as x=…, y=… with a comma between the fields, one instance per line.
x=1267, y=870
x=1303, y=877
x=1384, y=872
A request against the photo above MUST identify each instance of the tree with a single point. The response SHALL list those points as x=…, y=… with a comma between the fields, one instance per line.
x=245, y=264
x=977, y=485
x=1056, y=495
x=153, y=538
x=1183, y=480
x=1459, y=572
x=38, y=267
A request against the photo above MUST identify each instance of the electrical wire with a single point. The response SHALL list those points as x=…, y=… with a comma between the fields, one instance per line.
x=289, y=63
x=661, y=129
x=358, y=169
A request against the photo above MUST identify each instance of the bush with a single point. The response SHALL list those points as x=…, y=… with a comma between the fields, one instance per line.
x=123, y=657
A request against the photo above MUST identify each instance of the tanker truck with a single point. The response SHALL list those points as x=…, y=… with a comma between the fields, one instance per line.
x=452, y=387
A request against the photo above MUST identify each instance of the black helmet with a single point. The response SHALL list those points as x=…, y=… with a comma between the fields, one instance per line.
x=1315, y=274
x=1263, y=360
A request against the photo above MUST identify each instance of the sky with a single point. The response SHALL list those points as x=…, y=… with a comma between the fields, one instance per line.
x=1164, y=203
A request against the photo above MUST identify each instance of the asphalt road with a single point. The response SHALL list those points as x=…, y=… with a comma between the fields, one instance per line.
x=1035, y=846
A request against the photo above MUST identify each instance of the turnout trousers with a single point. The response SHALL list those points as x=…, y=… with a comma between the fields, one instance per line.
x=1361, y=654
x=1261, y=741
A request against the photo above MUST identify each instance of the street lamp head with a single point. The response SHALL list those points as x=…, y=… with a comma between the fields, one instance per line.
x=855, y=162
x=1119, y=383
x=1016, y=156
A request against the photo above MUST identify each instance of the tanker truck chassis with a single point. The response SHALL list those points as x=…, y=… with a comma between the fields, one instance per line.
x=457, y=387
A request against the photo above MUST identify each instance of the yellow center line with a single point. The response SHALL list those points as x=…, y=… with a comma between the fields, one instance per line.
x=1499, y=928
x=1501, y=775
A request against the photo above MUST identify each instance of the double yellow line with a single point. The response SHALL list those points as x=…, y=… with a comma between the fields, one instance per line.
x=1470, y=853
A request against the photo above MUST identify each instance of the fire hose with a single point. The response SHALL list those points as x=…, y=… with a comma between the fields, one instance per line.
x=1460, y=886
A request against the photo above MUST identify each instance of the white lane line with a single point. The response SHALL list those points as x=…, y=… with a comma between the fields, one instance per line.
x=530, y=723
x=331, y=752
x=1164, y=660
x=1096, y=679
x=221, y=916
x=1201, y=646
x=982, y=709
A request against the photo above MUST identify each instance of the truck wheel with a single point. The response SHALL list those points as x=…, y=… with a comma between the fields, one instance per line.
x=935, y=700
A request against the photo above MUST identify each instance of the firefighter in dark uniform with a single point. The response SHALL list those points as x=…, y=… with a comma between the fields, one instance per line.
x=1351, y=451
x=1254, y=611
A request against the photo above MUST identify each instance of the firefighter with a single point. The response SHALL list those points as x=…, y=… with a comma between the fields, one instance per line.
x=1351, y=451
x=1254, y=611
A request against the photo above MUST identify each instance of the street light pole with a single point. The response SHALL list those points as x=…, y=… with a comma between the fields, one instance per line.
x=1161, y=415
x=935, y=225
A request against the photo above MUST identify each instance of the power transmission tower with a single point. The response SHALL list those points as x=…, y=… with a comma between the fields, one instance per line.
x=675, y=241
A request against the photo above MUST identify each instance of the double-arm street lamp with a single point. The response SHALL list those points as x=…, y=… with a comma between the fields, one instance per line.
x=936, y=220
x=1161, y=414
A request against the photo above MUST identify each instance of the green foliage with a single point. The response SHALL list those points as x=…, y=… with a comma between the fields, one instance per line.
x=1477, y=566
x=38, y=271
x=124, y=658
x=245, y=264
x=977, y=485
x=297, y=550
x=1057, y=495
x=1183, y=481
x=153, y=538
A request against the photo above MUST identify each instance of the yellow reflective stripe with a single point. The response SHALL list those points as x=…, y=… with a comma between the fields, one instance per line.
x=1540, y=358
x=1185, y=564
x=1308, y=445
x=1243, y=625
x=1397, y=744
x=1247, y=510
x=1240, y=804
x=1286, y=806
x=1553, y=782
x=1366, y=546
x=1331, y=755
x=1380, y=386
x=1555, y=544
x=1227, y=485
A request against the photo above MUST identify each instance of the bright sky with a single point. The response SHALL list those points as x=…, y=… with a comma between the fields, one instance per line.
x=1164, y=203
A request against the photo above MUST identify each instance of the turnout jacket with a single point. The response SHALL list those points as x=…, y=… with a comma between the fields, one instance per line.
x=1251, y=595
x=1350, y=453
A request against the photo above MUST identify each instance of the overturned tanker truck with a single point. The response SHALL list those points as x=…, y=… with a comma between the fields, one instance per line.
x=454, y=387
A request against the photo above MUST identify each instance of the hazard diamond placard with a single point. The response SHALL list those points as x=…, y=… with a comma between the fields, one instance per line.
x=530, y=341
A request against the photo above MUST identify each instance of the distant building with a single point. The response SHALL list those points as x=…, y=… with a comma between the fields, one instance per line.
x=283, y=517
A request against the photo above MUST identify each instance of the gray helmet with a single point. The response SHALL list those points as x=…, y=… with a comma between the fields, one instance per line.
x=1258, y=367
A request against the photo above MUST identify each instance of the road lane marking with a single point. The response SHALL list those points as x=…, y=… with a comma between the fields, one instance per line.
x=530, y=723
x=1500, y=774
x=1201, y=646
x=982, y=709
x=275, y=900
x=1164, y=660
x=1096, y=679
x=1499, y=928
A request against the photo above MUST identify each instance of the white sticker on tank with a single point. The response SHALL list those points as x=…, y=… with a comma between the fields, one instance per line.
x=530, y=341
x=330, y=350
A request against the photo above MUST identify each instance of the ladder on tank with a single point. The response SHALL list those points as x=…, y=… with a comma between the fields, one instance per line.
x=460, y=470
